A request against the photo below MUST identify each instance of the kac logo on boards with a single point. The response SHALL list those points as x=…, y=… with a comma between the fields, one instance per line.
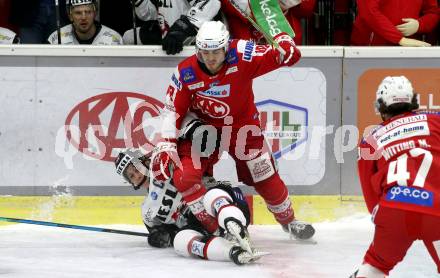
x=108, y=121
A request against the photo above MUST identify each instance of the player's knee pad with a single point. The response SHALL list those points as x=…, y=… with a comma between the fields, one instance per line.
x=230, y=211
x=214, y=199
x=186, y=242
x=369, y=271
x=218, y=202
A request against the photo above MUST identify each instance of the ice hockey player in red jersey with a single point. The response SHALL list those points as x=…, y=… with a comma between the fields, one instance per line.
x=399, y=166
x=216, y=85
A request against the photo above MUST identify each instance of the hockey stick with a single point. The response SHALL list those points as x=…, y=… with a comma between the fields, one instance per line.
x=69, y=226
x=58, y=20
x=134, y=22
x=268, y=38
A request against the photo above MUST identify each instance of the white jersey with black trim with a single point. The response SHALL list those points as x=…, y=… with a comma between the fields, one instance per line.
x=197, y=11
x=163, y=205
x=106, y=36
x=6, y=36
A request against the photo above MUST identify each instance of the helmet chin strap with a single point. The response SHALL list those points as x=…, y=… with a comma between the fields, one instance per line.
x=136, y=187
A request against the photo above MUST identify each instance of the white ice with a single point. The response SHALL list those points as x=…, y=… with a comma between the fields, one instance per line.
x=40, y=251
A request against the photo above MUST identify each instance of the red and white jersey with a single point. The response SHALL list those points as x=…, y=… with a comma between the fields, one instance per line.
x=399, y=163
x=227, y=97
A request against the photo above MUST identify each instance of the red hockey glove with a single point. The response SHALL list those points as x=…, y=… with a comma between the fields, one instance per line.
x=164, y=159
x=288, y=45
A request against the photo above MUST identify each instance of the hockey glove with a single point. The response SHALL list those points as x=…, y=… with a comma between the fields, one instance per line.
x=162, y=236
x=288, y=45
x=178, y=33
x=164, y=159
x=201, y=134
x=150, y=33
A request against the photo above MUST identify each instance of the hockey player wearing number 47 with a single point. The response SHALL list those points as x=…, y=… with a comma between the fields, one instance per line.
x=216, y=85
x=399, y=166
x=171, y=223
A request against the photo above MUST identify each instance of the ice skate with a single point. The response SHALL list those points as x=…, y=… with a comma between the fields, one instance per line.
x=299, y=230
x=240, y=256
x=239, y=232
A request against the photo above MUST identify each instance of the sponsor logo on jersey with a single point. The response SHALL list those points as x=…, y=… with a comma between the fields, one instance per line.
x=261, y=167
x=232, y=57
x=196, y=85
x=210, y=106
x=231, y=70
x=197, y=248
x=188, y=75
x=5, y=38
x=381, y=130
x=176, y=82
x=153, y=195
x=403, y=132
x=219, y=203
x=149, y=215
x=248, y=50
x=91, y=126
x=410, y=195
x=284, y=125
x=217, y=91
x=169, y=198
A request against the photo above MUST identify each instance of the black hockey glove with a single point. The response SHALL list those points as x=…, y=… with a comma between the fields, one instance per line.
x=162, y=236
x=150, y=33
x=178, y=33
x=202, y=135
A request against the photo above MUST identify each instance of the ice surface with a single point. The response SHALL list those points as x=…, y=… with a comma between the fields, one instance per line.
x=40, y=251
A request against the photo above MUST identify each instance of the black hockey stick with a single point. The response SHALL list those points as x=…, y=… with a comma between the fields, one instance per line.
x=134, y=22
x=69, y=226
x=58, y=20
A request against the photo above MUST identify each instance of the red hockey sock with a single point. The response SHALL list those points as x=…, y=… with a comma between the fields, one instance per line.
x=208, y=222
x=275, y=194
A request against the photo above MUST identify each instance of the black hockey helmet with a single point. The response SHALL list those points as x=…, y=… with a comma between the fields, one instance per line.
x=137, y=159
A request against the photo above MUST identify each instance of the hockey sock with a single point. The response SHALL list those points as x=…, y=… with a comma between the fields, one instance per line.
x=208, y=222
x=275, y=194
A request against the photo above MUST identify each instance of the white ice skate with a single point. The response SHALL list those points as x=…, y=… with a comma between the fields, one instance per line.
x=239, y=232
x=240, y=256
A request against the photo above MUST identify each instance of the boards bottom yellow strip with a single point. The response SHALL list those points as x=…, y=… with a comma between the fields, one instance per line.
x=92, y=210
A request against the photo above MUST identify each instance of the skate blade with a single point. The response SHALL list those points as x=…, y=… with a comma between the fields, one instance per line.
x=256, y=255
x=259, y=254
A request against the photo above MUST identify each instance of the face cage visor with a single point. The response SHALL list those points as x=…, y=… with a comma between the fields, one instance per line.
x=141, y=168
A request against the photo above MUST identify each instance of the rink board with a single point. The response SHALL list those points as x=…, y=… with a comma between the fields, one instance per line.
x=90, y=210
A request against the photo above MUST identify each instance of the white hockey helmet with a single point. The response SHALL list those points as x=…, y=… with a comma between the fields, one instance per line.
x=137, y=159
x=394, y=89
x=212, y=35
